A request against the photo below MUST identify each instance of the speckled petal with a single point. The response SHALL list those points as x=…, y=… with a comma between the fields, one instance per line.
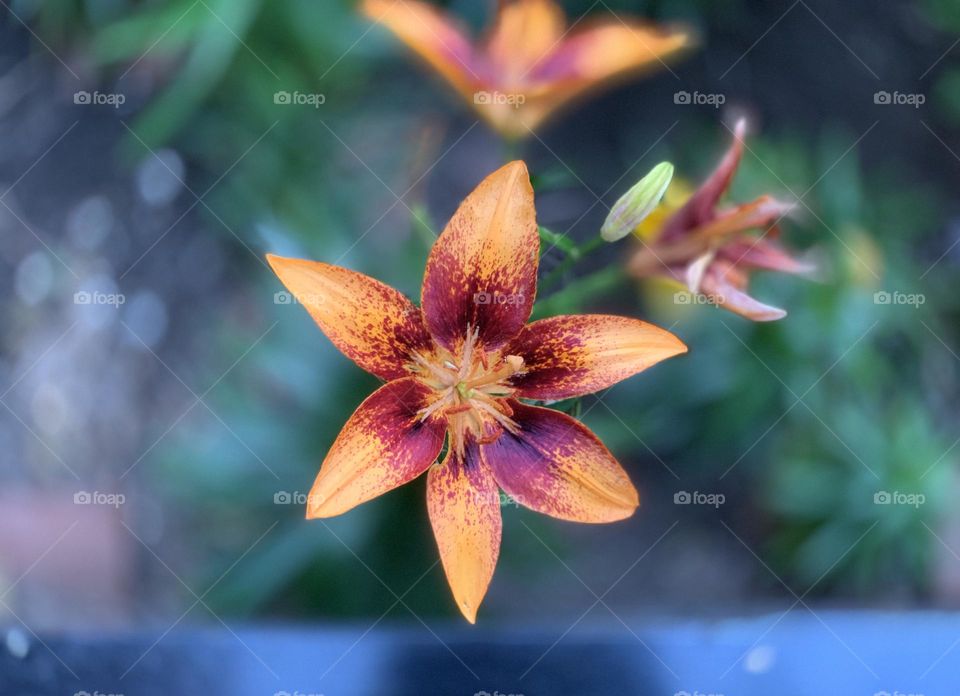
x=464, y=506
x=371, y=323
x=569, y=356
x=482, y=271
x=383, y=445
x=556, y=466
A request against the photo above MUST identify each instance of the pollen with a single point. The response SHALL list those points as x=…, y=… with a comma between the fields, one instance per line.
x=471, y=388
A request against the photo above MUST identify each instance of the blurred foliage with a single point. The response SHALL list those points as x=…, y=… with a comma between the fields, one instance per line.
x=799, y=423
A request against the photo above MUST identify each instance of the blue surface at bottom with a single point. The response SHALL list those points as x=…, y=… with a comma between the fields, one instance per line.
x=797, y=653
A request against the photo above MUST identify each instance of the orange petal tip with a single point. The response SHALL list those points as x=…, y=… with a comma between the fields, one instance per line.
x=680, y=346
x=277, y=263
x=469, y=612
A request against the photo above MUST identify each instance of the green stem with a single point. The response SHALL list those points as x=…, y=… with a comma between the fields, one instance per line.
x=511, y=149
x=423, y=225
x=557, y=274
x=576, y=293
x=551, y=240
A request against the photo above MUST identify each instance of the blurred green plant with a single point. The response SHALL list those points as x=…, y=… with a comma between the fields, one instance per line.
x=802, y=422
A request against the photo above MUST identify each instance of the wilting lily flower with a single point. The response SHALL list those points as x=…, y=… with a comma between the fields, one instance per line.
x=530, y=63
x=710, y=248
x=458, y=370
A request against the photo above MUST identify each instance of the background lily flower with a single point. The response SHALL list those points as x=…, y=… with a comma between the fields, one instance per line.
x=530, y=63
x=710, y=249
x=456, y=370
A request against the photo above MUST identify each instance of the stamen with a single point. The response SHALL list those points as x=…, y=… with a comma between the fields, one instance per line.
x=444, y=378
x=456, y=440
x=436, y=405
x=512, y=364
x=496, y=390
x=497, y=416
x=491, y=399
x=476, y=422
x=466, y=363
x=490, y=438
x=466, y=392
x=515, y=362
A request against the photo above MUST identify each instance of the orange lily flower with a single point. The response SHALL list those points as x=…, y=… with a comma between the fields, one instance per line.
x=710, y=249
x=455, y=371
x=530, y=63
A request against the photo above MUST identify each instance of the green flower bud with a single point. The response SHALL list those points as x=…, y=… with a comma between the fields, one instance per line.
x=637, y=203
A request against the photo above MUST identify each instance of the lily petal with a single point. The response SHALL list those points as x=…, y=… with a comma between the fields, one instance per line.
x=430, y=34
x=482, y=271
x=700, y=209
x=556, y=466
x=464, y=507
x=586, y=60
x=525, y=32
x=762, y=213
x=766, y=254
x=383, y=445
x=370, y=322
x=697, y=269
x=725, y=285
x=569, y=356
x=599, y=52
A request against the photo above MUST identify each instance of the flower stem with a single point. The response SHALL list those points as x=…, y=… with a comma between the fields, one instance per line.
x=573, y=256
x=572, y=298
x=511, y=149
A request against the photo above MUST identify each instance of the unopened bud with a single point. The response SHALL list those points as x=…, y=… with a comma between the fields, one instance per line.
x=637, y=203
